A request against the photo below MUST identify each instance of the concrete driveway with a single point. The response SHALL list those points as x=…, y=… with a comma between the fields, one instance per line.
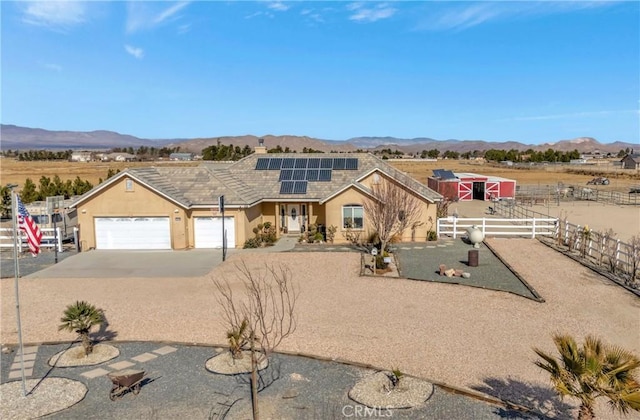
x=110, y=264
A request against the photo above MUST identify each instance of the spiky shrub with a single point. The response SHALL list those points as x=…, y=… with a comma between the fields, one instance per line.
x=237, y=337
x=593, y=370
x=331, y=233
x=80, y=317
x=395, y=377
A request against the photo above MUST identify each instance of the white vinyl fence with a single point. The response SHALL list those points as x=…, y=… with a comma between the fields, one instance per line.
x=7, y=239
x=530, y=227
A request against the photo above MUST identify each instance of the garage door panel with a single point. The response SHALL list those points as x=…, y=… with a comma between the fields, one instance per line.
x=133, y=233
x=208, y=232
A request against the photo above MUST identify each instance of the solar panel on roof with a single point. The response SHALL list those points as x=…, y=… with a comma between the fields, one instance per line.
x=351, y=164
x=324, y=175
x=338, y=163
x=312, y=175
x=326, y=163
x=299, y=174
x=262, y=164
x=313, y=163
x=275, y=164
x=288, y=163
x=286, y=175
x=301, y=163
x=286, y=187
x=447, y=175
x=300, y=187
x=437, y=173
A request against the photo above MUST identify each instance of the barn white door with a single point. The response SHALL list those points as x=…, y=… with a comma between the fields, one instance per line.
x=491, y=190
x=465, y=191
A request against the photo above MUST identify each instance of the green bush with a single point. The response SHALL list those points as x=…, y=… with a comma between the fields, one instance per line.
x=432, y=235
x=251, y=243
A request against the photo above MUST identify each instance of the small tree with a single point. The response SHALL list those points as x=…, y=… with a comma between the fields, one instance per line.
x=593, y=370
x=80, y=318
x=267, y=307
x=391, y=210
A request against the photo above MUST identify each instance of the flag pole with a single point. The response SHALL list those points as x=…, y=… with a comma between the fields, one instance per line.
x=14, y=216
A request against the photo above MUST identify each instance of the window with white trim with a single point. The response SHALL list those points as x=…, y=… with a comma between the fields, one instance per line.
x=353, y=216
x=128, y=184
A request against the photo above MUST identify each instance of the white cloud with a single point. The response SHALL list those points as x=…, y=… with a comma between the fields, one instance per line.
x=460, y=16
x=135, y=51
x=54, y=14
x=279, y=6
x=143, y=15
x=362, y=12
x=52, y=66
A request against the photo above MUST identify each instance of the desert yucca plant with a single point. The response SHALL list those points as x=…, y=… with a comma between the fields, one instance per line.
x=238, y=339
x=80, y=317
x=593, y=370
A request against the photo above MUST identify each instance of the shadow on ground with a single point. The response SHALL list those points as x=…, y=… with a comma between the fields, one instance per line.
x=540, y=399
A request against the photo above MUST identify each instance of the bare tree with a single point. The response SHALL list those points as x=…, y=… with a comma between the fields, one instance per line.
x=266, y=306
x=391, y=210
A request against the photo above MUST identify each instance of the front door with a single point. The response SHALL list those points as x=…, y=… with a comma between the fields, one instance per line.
x=293, y=217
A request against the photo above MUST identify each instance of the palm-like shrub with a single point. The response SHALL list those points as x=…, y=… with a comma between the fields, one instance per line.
x=80, y=317
x=237, y=337
x=593, y=370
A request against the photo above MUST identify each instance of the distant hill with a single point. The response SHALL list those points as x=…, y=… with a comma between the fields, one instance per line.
x=22, y=138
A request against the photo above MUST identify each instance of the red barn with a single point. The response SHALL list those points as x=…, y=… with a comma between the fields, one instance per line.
x=468, y=186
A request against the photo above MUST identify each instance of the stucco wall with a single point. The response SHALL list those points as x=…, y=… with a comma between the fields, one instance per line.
x=115, y=201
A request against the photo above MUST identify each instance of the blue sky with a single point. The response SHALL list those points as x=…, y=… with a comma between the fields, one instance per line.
x=533, y=72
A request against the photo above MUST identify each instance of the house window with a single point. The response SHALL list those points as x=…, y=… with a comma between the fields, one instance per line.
x=128, y=185
x=353, y=216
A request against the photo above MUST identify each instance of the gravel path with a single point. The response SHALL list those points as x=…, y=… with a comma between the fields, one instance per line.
x=470, y=338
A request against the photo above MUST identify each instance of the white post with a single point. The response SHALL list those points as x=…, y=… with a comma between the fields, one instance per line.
x=484, y=227
x=617, y=253
x=455, y=228
x=59, y=244
x=533, y=228
x=438, y=228
x=14, y=216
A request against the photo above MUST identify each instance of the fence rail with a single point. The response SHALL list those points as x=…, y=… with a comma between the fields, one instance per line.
x=7, y=240
x=550, y=194
x=602, y=249
x=529, y=227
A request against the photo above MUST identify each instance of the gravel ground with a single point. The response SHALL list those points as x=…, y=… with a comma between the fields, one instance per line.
x=27, y=263
x=176, y=385
x=470, y=338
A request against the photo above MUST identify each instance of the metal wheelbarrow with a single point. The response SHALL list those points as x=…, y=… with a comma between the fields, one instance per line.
x=124, y=381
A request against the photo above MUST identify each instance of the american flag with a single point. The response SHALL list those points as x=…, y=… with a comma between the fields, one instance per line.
x=28, y=226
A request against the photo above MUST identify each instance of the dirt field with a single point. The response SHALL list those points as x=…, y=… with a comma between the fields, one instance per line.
x=12, y=171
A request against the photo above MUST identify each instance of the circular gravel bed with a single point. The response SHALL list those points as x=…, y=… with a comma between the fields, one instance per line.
x=45, y=396
x=227, y=365
x=373, y=391
x=75, y=356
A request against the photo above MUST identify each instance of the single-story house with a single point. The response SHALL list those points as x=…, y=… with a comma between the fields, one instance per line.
x=469, y=186
x=177, y=207
x=631, y=161
x=181, y=156
x=81, y=156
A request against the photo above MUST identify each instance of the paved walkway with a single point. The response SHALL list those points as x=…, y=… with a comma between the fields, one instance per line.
x=177, y=385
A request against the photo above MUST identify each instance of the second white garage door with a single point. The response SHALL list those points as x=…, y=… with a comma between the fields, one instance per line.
x=208, y=232
x=133, y=233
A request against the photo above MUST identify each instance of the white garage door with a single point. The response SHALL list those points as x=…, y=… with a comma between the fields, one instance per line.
x=208, y=232
x=133, y=233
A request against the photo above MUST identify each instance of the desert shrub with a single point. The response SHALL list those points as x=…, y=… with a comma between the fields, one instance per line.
x=251, y=243
x=265, y=235
x=318, y=237
x=331, y=233
x=432, y=235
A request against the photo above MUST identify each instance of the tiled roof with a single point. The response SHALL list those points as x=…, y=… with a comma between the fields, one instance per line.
x=243, y=185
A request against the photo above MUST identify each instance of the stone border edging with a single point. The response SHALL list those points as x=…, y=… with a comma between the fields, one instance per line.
x=533, y=291
x=449, y=388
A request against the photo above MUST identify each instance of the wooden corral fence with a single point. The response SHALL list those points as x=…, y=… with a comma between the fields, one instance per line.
x=48, y=239
x=554, y=194
x=530, y=227
x=602, y=249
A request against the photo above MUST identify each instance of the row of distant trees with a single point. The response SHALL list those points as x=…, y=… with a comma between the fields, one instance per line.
x=47, y=187
x=222, y=152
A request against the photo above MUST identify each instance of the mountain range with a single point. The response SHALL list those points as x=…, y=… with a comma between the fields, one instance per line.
x=13, y=137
